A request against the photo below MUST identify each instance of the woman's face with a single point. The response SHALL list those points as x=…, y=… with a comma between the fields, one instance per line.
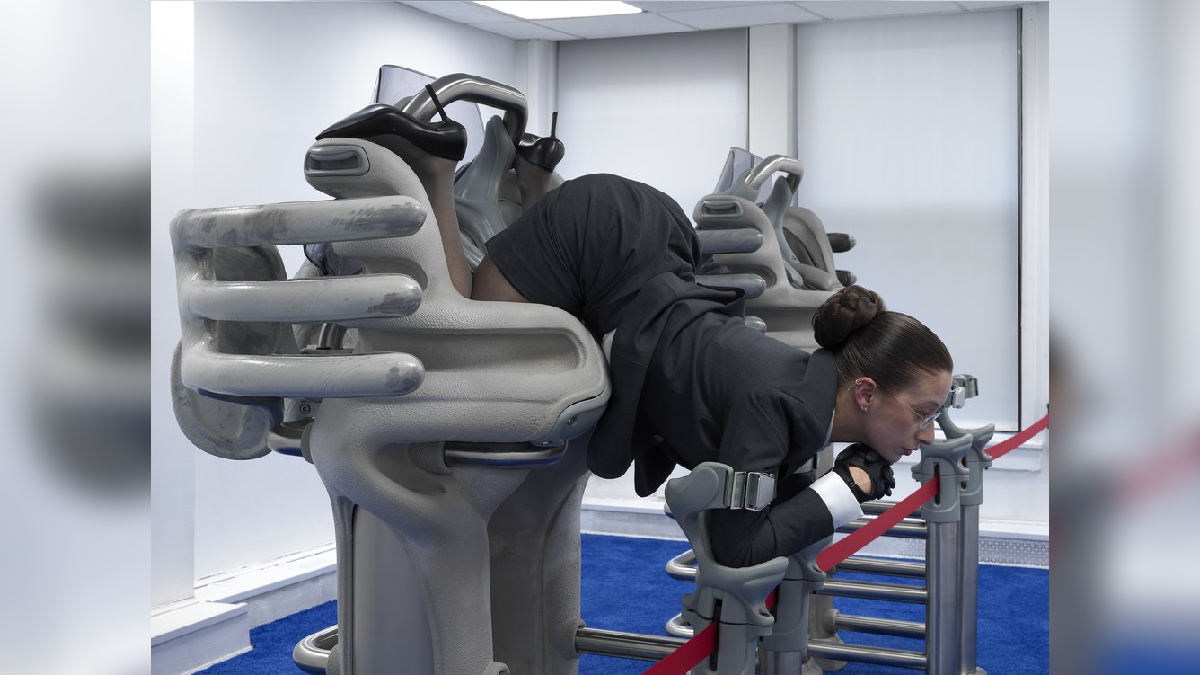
x=893, y=425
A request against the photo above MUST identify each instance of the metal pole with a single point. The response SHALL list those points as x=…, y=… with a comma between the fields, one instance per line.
x=877, y=507
x=905, y=529
x=868, y=590
x=862, y=654
x=896, y=568
x=625, y=645
x=942, y=461
x=941, y=626
x=968, y=592
x=877, y=626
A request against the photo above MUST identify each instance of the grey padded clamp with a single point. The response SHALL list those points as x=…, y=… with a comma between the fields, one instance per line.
x=944, y=460
x=790, y=633
x=977, y=458
x=735, y=597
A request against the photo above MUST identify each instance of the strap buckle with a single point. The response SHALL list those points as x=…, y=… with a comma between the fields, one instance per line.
x=749, y=490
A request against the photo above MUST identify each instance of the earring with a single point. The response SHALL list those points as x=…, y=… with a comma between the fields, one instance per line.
x=864, y=408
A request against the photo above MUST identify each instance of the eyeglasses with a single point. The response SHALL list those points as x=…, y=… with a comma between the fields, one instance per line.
x=924, y=420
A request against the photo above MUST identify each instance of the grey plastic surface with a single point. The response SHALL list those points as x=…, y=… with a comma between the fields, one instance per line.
x=223, y=428
x=775, y=209
x=477, y=191
x=334, y=160
x=790, y=633
x=740, y=593
x=227, y=265
x=496, y=373
x=738, y=240
x=413, y=534
x=786, y=310
x=474, y=353
x=752, y=285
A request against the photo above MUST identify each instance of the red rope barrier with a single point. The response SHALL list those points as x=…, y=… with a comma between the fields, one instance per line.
x=696, y=649
x=844, y=548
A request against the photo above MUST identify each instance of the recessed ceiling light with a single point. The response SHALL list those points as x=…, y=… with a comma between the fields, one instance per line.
x=547, y=9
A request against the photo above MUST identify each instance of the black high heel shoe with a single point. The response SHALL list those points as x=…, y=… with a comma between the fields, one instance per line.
x=543, y=152
x=446, y=139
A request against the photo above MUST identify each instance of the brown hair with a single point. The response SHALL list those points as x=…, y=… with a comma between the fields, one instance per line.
x=889, y=347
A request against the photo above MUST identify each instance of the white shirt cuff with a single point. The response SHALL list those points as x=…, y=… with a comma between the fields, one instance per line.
x=838, y=499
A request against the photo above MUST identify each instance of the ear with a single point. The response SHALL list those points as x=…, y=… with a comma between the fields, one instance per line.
x=865, y=390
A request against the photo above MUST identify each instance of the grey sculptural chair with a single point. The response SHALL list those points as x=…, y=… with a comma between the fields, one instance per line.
x=441, y=427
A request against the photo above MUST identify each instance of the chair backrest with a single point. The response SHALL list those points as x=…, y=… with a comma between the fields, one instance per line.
x=495, y=372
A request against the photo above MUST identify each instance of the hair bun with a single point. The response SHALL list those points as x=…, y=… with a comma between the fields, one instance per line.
x=848, y=310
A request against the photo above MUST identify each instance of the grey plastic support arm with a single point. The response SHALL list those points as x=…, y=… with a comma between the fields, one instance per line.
x=202, y=239
x=739, y=592
x=302, y=300
x=463, y=87
x=207, y=369
x=298, y=222
x=736, y=240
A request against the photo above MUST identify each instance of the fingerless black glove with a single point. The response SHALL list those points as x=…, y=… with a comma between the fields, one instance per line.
x=875, y=466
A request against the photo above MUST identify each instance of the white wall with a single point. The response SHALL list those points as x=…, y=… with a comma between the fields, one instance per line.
x=172, y=488
x=908, y=135
x=267, y=78
x=663, y=109
x=915, y=120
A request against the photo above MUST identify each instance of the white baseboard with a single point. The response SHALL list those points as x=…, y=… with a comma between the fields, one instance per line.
x=192, y=634
x=277, y=588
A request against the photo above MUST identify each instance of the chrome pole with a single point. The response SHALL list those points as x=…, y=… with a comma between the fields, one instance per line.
x=625, y=645
x=906, y=529
x=942, y=461
x=941, y=624
x=898, y=568
x=968, y=593
x=878, y=626
x=868, y=590
x=882, y=656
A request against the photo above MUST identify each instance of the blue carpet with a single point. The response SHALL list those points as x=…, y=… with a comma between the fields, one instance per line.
x=624, y=588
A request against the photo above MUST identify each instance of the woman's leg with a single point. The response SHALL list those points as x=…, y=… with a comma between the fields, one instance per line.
x=490, y=284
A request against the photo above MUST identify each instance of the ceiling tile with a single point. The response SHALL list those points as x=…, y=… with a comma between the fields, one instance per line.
x=616, y=26
x=521, y=30
x=659, y=6
x=840, y=9
x=462, y=12
x=738, y=17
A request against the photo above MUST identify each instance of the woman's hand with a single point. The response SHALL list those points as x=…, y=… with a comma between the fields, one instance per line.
x=861, y=479
x=867, y=473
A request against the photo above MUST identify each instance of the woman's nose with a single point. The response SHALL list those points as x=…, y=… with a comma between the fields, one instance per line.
x=925, y=436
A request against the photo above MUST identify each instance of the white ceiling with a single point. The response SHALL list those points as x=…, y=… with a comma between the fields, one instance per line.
x=669, y=16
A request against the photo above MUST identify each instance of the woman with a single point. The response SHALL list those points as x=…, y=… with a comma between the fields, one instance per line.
x=692, y=383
